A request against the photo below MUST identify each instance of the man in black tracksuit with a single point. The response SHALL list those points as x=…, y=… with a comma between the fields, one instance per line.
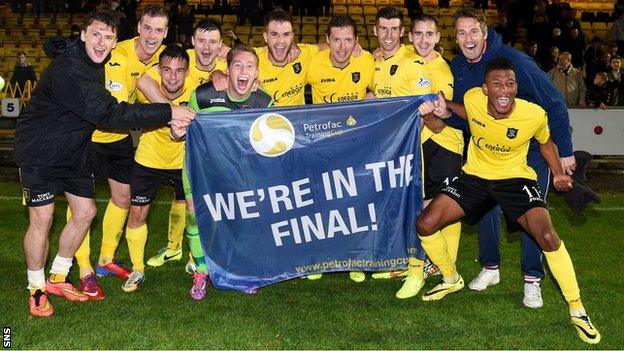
x=52, y=149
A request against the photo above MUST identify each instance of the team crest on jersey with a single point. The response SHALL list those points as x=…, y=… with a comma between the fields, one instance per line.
x=512, y=133
x=297, y=67
x=393, y=69
x=355, y=77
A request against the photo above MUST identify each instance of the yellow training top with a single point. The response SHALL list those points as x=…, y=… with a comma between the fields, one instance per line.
x=331, y=84
x=449, y=138
x=197, y=76
x=286, y=84
x=156, y=148
x=122, y=72
x=402, y=74
x=498, y=147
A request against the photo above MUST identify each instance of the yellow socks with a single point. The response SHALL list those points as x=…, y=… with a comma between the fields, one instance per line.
x=57, y=278
x=83, y=253
x=177, y=222
x=436, y=249
x=415, y=267
x=451, y=235
x=562, y=269
x=137, y=237
x=112, y=227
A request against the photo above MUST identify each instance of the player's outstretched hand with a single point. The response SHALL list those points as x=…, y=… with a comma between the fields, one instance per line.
x=562, y=182
x=182, y=115
x=294, y=53
x=223, y=51
x=219, y=80
x=568, y=164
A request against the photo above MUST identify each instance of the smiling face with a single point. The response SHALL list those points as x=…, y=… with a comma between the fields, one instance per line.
x=279, y=39
x=173, y=72
x=341, y=42
x=207, y=44
x=616, y=63
x=470, y=37
x=242, y=71
x=99, y=39
x=389, y=33
x=501, y=88
x=152, y=31
x=424, y=36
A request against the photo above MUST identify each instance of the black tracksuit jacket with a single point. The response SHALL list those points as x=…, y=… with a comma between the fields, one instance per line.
x=53, y=132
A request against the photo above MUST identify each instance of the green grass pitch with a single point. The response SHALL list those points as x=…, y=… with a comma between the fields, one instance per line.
x=332, y=313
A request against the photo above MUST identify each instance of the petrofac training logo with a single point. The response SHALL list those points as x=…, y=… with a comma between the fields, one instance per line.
x=271, y=135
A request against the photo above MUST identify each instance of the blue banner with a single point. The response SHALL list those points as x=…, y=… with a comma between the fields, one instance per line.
x=286, y=192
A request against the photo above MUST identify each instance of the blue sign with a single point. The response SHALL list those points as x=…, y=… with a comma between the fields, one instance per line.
x=286, y=192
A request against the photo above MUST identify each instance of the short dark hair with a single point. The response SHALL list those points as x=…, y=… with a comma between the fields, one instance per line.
x=240, y=48
x=423, y=17
x=389, y=12
x=342, y=21
x=475, y=14
x=277, y=15
x=499, y=63
x=154, y=10
x=207, y=25
x=174, y=52
x=109, y=18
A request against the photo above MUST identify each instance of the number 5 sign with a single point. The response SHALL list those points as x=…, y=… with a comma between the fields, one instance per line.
x=10, y=107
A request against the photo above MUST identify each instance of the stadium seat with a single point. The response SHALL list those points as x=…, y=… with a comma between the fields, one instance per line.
x=308, y=29
x=340, y=10
x=256, y=41
x=308, y=20
x=308, y=39
x=354, y=2
x=397, y=3
x=244, y=38
x=370, y=20
x=296, y=19
x=370, y=10
x=373, y=43
x=355, y=10
x=359, y=19
x=339, y=2
x=324, y=20
x=383, y=2
x=361, y=30
x=588, y=16
x=369, y=31
x=230, y=19
x=246, y=29
x=216, y=18
x=255, y=30
x=446, y=12
x=586, y=25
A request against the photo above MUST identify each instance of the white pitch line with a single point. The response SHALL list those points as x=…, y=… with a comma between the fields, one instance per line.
x=596, y=208
x=101, y=201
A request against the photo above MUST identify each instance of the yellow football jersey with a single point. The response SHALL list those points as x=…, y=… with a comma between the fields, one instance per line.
x=286, y=84
x=405, y=73
x=197, y=76
x=331, y=84
x=498, y=147
x=156, y=149
x=122, y=72
x=449, y=138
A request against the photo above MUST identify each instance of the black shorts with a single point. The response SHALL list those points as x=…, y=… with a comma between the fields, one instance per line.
x=441, y=167
x=146, y=180
x=39, y=191
x=477, y=196
x=113, y=160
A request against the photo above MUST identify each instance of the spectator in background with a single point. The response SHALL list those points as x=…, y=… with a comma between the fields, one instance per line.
x=550, y=60
x=574, y=43
x=23, y=73
x=612, y=48
x=569, y=81
x=599, y=93
x=601, y=64
x=75, y=32
x=507, y=33
x=592, y=52
x=616, y=81
x=535, y=32
x=531, y=49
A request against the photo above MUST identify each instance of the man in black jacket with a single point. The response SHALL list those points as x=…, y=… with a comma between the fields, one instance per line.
x=52, y=148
